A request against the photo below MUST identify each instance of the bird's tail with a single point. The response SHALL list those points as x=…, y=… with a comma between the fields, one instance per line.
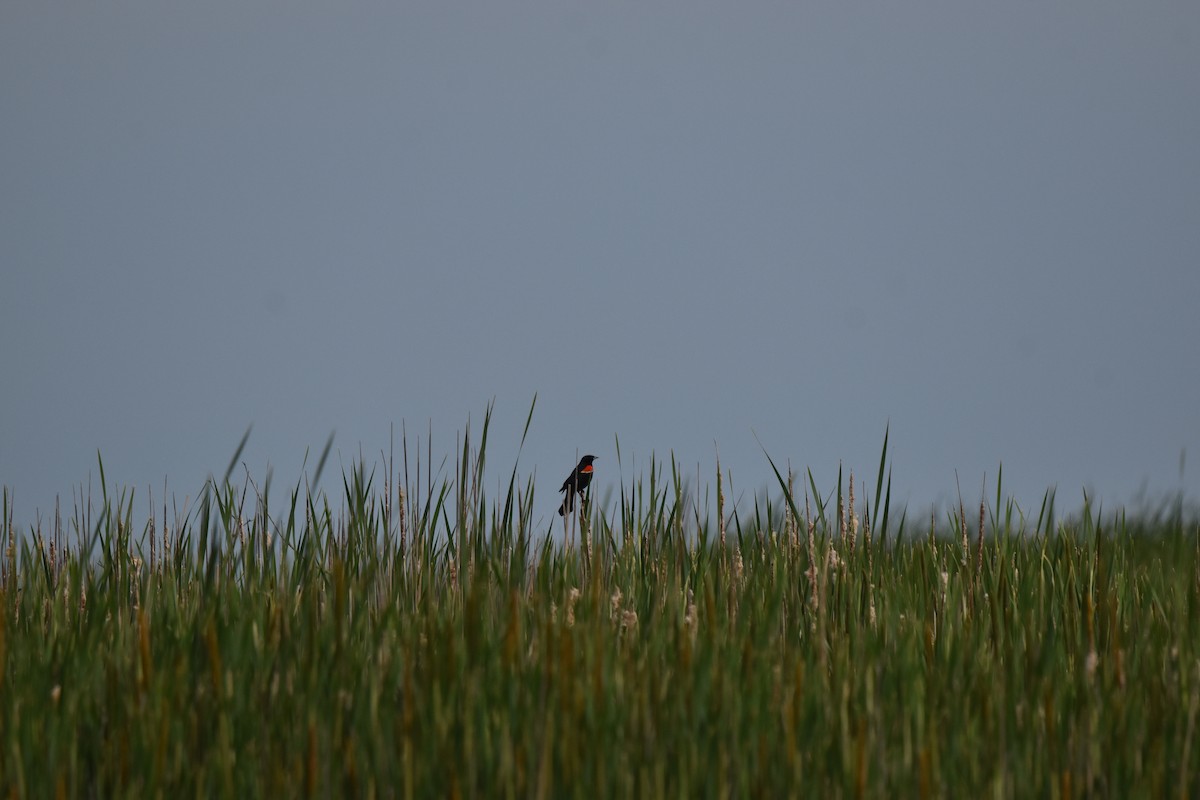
x=568, y=503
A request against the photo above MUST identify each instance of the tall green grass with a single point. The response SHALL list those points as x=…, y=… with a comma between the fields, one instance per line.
x=418, y=638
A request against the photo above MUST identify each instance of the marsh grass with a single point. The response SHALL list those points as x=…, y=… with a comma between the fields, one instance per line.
x=418, y=638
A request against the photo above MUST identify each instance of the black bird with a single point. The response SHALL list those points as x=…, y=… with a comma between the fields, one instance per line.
x=577, y=481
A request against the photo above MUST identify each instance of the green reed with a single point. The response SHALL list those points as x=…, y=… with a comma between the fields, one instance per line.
x=415, y=637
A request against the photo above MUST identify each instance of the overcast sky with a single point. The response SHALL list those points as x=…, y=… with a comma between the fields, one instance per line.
x=680, y=224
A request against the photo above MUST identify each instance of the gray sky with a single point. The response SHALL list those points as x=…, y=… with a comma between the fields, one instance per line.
x=680, y=224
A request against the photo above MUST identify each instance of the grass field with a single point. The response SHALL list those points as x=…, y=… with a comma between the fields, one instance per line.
x=415, y=637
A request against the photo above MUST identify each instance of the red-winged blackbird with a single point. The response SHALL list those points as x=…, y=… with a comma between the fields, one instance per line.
x=577, y=481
